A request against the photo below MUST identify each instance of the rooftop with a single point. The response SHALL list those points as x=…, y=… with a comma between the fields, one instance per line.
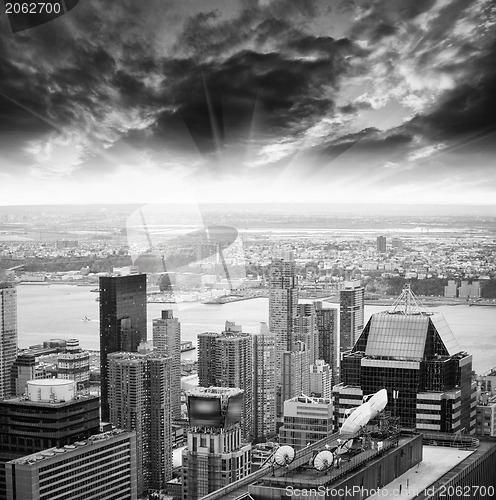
x=437, y=461
x=209, y=392
x=24, y=401
x=53, y=452
x=48, y=382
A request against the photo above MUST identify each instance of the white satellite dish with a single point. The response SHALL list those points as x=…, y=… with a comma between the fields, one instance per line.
x=323, y=460
x=284, y=455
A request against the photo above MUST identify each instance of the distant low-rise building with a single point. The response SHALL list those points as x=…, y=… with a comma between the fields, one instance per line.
x=485, y=419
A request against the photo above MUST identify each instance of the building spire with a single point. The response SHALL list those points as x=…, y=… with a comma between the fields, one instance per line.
x=408, y=303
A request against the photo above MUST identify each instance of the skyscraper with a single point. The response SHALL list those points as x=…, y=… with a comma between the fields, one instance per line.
x=351, y=311
x=122, y=322
x=320, y=379
x=283, y=299
x=225, y=360
x=295, y=372
x=381, y=244
x=8, y=336
x=414, y=355
x=139, y=400
x=327, y=325
x=167, y=342
x=305, y=329
x=216, y=454
x=264, y=384
x=283, y=302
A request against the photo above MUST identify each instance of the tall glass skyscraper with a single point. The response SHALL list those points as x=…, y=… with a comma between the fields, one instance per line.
x=122, y=322
x=305, y=330
x=327, y=325
x=415, y=356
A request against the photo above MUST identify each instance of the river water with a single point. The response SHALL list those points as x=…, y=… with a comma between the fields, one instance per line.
x=56, y=311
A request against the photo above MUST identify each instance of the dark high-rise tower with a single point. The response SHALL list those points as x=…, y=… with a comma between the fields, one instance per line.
x=8, y=336
x=122, y=322
x=351, y=310
x=414, y=355
x=381, y=244
x=305, y=330
x=327, y=325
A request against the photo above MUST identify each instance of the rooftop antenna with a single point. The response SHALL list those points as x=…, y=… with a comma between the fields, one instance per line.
x=408, y=303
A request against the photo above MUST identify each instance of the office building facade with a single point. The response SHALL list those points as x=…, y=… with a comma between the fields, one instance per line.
x=485, y=418
x=8, y=336
x=26, y=367
x=103, y=467
x=283, y=301
x=50, y=415
x=296, y=372
x=122, y=322
x=139, y=400
x=327, y=326
x=351, y=314
x=74, y=364
x=167, y=342
x=306, y=421
x=321, y=379
x=264, y=384
x=381, y=244
x=305, y=329
x=415, y=356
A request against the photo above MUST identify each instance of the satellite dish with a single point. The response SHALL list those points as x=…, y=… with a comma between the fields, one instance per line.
x=323, y=460
x=284, y=455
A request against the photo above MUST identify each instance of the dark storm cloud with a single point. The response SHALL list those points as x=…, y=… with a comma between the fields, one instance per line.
x=467, y=111
x=287, y=79
x=100, y=76
x=354, y=107
x=289, y=94
x=369, y=141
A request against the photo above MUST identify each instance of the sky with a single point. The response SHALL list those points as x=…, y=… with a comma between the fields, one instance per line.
x=251, y=101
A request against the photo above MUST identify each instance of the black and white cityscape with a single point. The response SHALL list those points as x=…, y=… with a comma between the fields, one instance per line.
x=247, y=249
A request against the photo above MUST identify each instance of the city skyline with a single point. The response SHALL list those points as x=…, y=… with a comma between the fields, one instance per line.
x=327, y=101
